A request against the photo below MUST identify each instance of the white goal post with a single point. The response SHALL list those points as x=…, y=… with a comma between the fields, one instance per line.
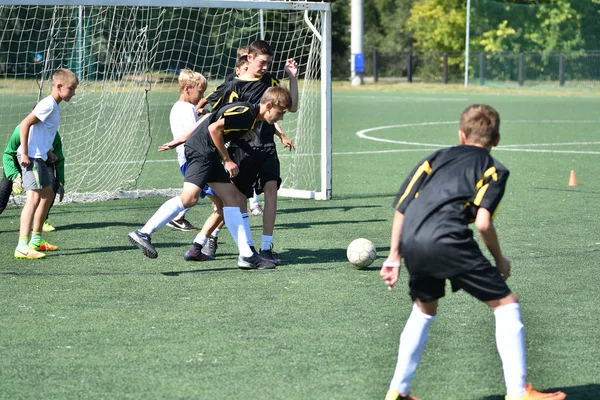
x=128, y=53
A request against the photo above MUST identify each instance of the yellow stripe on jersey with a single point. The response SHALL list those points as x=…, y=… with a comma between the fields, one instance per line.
x=424, y=168
x=235, y=111
x=233, y=97
x=480, y=194
x=490, y=172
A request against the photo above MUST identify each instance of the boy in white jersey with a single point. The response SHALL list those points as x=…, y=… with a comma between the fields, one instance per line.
x=192, y=86
x=37, y=131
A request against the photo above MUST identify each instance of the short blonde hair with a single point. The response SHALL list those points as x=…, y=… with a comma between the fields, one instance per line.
x=242, y=51
x=64, y=76
x=190, y=78
x=481, y=124
x=278, y=96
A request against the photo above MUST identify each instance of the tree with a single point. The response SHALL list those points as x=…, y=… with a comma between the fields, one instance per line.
x=438, y=25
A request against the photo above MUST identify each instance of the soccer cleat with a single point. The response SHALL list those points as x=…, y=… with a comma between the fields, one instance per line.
x=195, y=254
x=182, y=224
x=531, y=394
x=42, y=245
x=27, y=253
x=268, y=255
x=211, y=247
x=254, y=262
x=257, y=210
x=47, y=227
x=394, y=395
x=142, y=241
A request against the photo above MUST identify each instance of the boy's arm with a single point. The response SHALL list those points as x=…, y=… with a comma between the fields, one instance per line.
x=29, y=120
x=216, y=130
x=390, y=271
x=286, y=141
x=183, y=138
x=485, y=226
x=291, y=67
x=60, y=159
x=9, y=157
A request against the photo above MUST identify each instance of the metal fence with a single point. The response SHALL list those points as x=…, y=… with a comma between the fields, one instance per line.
x=508, y=69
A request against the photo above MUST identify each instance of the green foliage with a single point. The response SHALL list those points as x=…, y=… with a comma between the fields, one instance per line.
x=542, y=27
x=438, y=25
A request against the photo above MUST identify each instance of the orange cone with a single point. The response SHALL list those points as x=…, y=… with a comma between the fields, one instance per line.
x=572, y=179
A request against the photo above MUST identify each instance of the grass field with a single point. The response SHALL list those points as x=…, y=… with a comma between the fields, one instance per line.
x=99, y=321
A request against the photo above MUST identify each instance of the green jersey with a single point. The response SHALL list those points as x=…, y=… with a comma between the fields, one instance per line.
x=11, y=165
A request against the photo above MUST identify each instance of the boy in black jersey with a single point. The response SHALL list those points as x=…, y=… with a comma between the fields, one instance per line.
x=259, y=164
x=206, y=156
x=443, y=194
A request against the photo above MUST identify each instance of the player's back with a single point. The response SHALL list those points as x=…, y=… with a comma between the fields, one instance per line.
x=446, y=199
x=453, y=184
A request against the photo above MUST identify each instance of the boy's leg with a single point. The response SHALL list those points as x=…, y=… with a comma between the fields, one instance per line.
x=269, y=215
x=37, y=242
x=5, y=191
x=142, y=237
x=412, y=343
x=233, y=202
x=485, y=283
x=31, y=202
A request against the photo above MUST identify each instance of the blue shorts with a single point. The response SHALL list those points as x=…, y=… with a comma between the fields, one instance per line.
x=207, y=189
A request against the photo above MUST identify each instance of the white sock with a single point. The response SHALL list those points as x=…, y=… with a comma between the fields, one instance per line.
x=201, y=239
x=412, y=342
x=253, y=201
x=235, y=225
x=181, y=215
x=247, y=229
x=510, y=340
x=266, y=242
x=164, y=214
x=215, y=233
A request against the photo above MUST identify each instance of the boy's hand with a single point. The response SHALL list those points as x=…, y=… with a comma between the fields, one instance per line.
x=291, y=68
x=287, y=142
x=61, y=193
x=17, y=186
x=51, y=158
x=166, y=146
x=232, y=168
x=503, y=265
x=390, y=272
x=25, y=161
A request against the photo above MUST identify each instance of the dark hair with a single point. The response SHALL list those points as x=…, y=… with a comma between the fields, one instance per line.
x=241, y=61
x=260, y=47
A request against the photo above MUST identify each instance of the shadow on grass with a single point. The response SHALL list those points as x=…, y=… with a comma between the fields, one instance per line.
x=311, y=209
x=582, y=392
x=309, y=224
x=293, y=256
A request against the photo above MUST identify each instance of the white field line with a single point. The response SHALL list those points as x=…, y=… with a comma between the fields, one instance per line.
x=513, y=147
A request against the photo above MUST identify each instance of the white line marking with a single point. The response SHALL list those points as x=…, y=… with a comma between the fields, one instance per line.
x=511, y=147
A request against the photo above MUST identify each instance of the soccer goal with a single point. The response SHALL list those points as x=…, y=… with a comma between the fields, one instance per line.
x=128, y=54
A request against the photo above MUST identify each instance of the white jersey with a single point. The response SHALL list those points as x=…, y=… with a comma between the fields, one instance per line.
x=41, y=135
x=183, y=117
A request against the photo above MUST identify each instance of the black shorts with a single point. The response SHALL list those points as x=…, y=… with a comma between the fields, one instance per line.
x=258, y=165
x=204, y=168
x=484, y=282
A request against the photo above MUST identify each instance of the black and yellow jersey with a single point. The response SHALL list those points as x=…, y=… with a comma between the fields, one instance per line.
x=240, y=117
x=248, y=90
x=439, y=199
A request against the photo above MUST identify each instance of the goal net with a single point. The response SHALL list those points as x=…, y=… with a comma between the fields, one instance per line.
x=127, y=56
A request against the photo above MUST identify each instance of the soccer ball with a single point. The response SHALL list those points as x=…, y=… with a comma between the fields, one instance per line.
x=361, y=253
